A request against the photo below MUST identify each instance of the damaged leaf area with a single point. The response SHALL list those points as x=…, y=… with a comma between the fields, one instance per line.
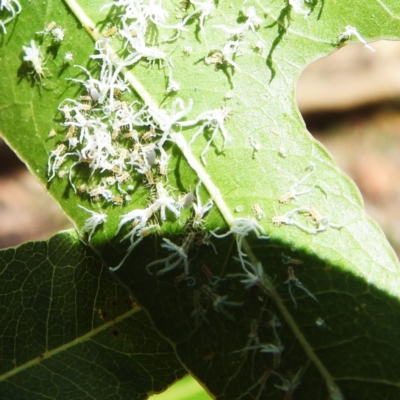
x=168, y=132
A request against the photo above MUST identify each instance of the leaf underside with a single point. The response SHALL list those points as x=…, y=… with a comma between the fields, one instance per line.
x=68, y=330
x=337, y=318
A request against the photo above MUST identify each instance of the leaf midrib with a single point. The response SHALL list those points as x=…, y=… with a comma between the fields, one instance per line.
x=50, y=353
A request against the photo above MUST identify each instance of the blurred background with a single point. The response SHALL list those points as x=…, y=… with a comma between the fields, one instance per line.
x=350, y=102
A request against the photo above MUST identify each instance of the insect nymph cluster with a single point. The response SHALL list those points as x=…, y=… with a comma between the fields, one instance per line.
x=115, y=148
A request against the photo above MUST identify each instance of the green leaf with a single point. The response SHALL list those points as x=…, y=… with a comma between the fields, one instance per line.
x=271, y=172
x=186, y=388
x=68, y=330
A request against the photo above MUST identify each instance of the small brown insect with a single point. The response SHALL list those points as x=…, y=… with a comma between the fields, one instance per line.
x=115, y=134
x=61, y=174
x=209, y=357
x=109, y=180
x=60, y=162
x=256, y=208
x=48, y=29
x=117, y=92
x=52, y=133
x=84, y=107
x=71, y=132
x=67, y=111
x=51, y=26
x=287, y=260
x=131, y=135
x=111, y=31
x=61, y=148
x=149, y=177
x=278, y=220
x=116, y=169
x=82, y=188
x=86, y=98
x=149, y=135
x=125, y=176
x=118, y=200
x=97, y=191
x=185, y=4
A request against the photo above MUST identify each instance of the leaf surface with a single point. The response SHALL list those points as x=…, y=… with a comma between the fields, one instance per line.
x=270, y=170
x=69, y=330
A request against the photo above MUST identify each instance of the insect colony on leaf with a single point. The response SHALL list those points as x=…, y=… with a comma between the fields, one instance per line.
x=122, y=143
